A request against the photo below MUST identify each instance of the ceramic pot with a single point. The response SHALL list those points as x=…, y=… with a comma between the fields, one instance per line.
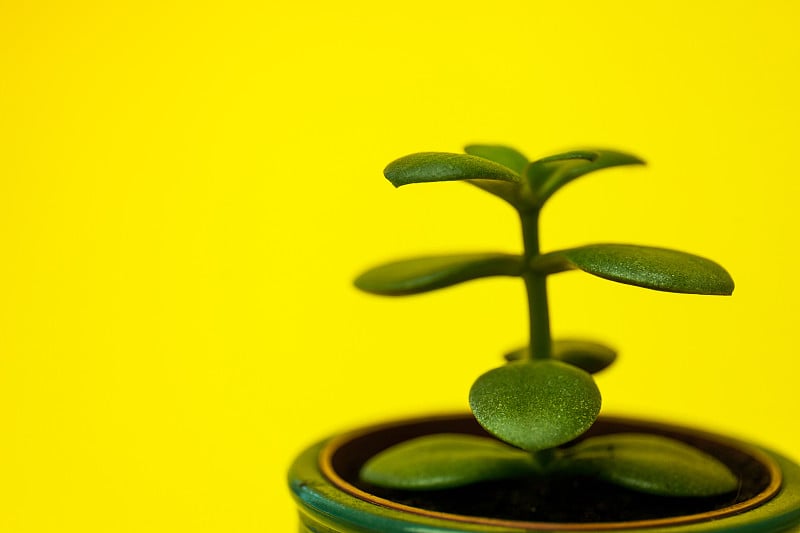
x=325, y=485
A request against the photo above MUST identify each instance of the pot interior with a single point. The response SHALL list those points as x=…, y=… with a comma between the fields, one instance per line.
x=529, y=501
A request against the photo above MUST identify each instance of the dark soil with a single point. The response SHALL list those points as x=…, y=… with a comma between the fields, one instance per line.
x=575, y=500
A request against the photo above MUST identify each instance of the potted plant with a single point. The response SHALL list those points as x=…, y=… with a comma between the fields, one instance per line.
x=535, y=454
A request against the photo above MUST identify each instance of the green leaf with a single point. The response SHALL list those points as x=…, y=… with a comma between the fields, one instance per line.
x=413, y=276
x=444, y=461
x=504, y=155
x=508, y=157
x=549, y=174
x=587, y=355
x=644, y=266
x=652, y=464
x=537, y=404
x=510, y=192
x=438, y=166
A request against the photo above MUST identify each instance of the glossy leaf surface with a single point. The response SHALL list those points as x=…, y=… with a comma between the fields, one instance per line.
x=439, y=166
x=444, y=461
x=644, y=266
x=535, y=405
x=652, y=464
x=588, y=355
x=413, y=276
x=504, y=155
x=549, y=174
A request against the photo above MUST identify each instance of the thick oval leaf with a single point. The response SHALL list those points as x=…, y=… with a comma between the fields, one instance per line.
x=535, y=405
x=444, y=461
x=588, y=355
x=438, y=166
x=652, y=464
x=549, y=174
x=505, y=155
x=644, y=266
x=413, y=276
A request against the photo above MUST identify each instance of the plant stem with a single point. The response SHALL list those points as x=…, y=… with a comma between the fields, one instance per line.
x=536, y=286
x=544, y=458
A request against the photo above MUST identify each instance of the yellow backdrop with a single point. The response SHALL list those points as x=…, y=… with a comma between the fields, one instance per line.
x=188, y=189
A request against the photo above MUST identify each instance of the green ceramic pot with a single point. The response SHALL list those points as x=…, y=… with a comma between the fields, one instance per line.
x=324, y=483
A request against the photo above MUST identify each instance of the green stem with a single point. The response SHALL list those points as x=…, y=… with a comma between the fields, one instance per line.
x=543, y=459
x=536, y=285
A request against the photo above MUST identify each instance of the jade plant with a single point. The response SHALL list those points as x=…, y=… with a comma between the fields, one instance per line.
x=540, y=402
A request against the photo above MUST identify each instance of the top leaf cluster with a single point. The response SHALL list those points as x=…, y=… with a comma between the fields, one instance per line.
x=506, y=173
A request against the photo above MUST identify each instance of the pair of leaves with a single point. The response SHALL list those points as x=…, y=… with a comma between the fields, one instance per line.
x=587, y=355
x=504, y=171
x=644, y=266
x=642, y=462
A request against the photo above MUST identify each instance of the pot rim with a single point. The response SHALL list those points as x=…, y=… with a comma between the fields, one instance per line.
x=331, y=447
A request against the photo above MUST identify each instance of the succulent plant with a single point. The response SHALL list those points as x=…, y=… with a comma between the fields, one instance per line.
x=544, y=398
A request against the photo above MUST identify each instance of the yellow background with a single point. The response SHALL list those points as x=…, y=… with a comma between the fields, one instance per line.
x=188, y=189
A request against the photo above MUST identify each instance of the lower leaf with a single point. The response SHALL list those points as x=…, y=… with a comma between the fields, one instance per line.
x=444, y=461
x=651, y=464
x=589, y=355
